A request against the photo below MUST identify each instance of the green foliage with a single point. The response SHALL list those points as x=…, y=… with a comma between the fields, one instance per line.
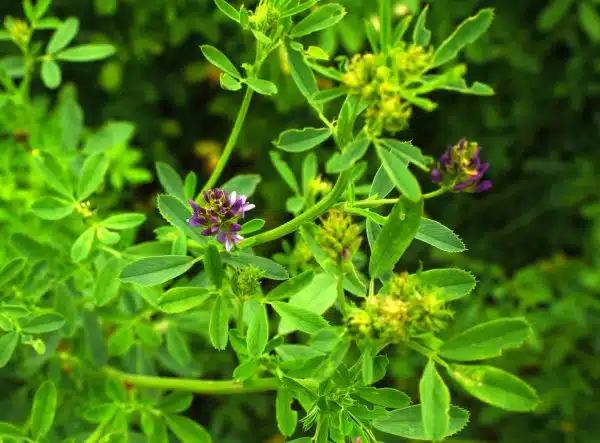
x=114, y=295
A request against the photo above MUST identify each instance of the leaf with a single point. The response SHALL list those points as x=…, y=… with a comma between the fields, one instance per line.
x=367, y=367
x=323, y=284
x=455, y=283
x=43, y=323
x=124, y=221
x=299, y=318
x=252, y=226
x=8, y=430
x=229, y=83
x=246, y=370
x=213, y=265
x=322, y=18
x=120, y=341
x=301, y=74
x=496, y=387
x=297, y=7
x=107, y=283
x=353, y=151
x=177, y=346
x=244, y=184
x=407, y=151
x=421, y=35
x=228, y=10
x=300, y=140
x=385, y=19
x=43, y=410
x=395, y=236
x=291, y=287
x=466, y=33
x=439, y=236
x=287, y=418
x=182, y=299
x=11, y=269
x=51, y=74
x=258, y=330
x=177, y=214
x=590, y=21
x=64, y=35
x=310, y=167
x=52, y=208
x=219, y=324
x=261, y=86
x=269, y=268
x=92, y=175
x=220, y=60
x=8, y=343
x=435, y=403
x=327, y=95
x=86, y=53
x=398, y=172
x=170, y=180
x=176, y=402
x=83, y=245
x=150, y=271
x=386, y=397
x=186, y=430
x=408, y=422
x=284, y=171
x=486, y=340
x=553, y=13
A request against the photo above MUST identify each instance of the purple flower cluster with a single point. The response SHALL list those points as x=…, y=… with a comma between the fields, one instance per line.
x=460, y=168
x=220, y=215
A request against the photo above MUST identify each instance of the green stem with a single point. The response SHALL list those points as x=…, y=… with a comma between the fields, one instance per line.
x=287, y=228
x=231, y=142
x=427, y=353
x=374, y=203
x=341, y=296
x=209, y=387
x=432, y=194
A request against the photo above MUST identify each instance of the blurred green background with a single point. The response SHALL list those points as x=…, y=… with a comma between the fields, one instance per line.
x=533, y=239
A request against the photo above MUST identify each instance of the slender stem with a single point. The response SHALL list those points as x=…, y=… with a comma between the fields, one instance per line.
x=374, y=203
x=231, y=142
x=209, y=387
x=432, y=194
x=240, y=319
x=427, y=353
x=287, y=228
x=341, y=296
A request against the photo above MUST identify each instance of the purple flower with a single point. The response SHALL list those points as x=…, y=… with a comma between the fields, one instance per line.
x=220, y=214
x=230, y=237
x=460, y=168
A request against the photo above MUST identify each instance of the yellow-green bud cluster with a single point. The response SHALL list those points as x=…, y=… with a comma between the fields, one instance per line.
x=264, y=17
x=339, y=236
x=18, y=29
x=411, y=60
x=379, y=79
x=245, y=281
x=407, y=308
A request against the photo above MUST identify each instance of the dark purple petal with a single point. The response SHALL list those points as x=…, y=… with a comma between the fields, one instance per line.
x=222, y=237
x=235, y=227
x=195, y=222
x=483, y=186
x=436, y=175
x=461, y=186
x=207, y=232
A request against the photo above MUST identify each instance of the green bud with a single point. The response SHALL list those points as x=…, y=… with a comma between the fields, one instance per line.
x=245, y=281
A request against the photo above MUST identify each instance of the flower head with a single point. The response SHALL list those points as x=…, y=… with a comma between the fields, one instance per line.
x=220, y=214
x=460, y=168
